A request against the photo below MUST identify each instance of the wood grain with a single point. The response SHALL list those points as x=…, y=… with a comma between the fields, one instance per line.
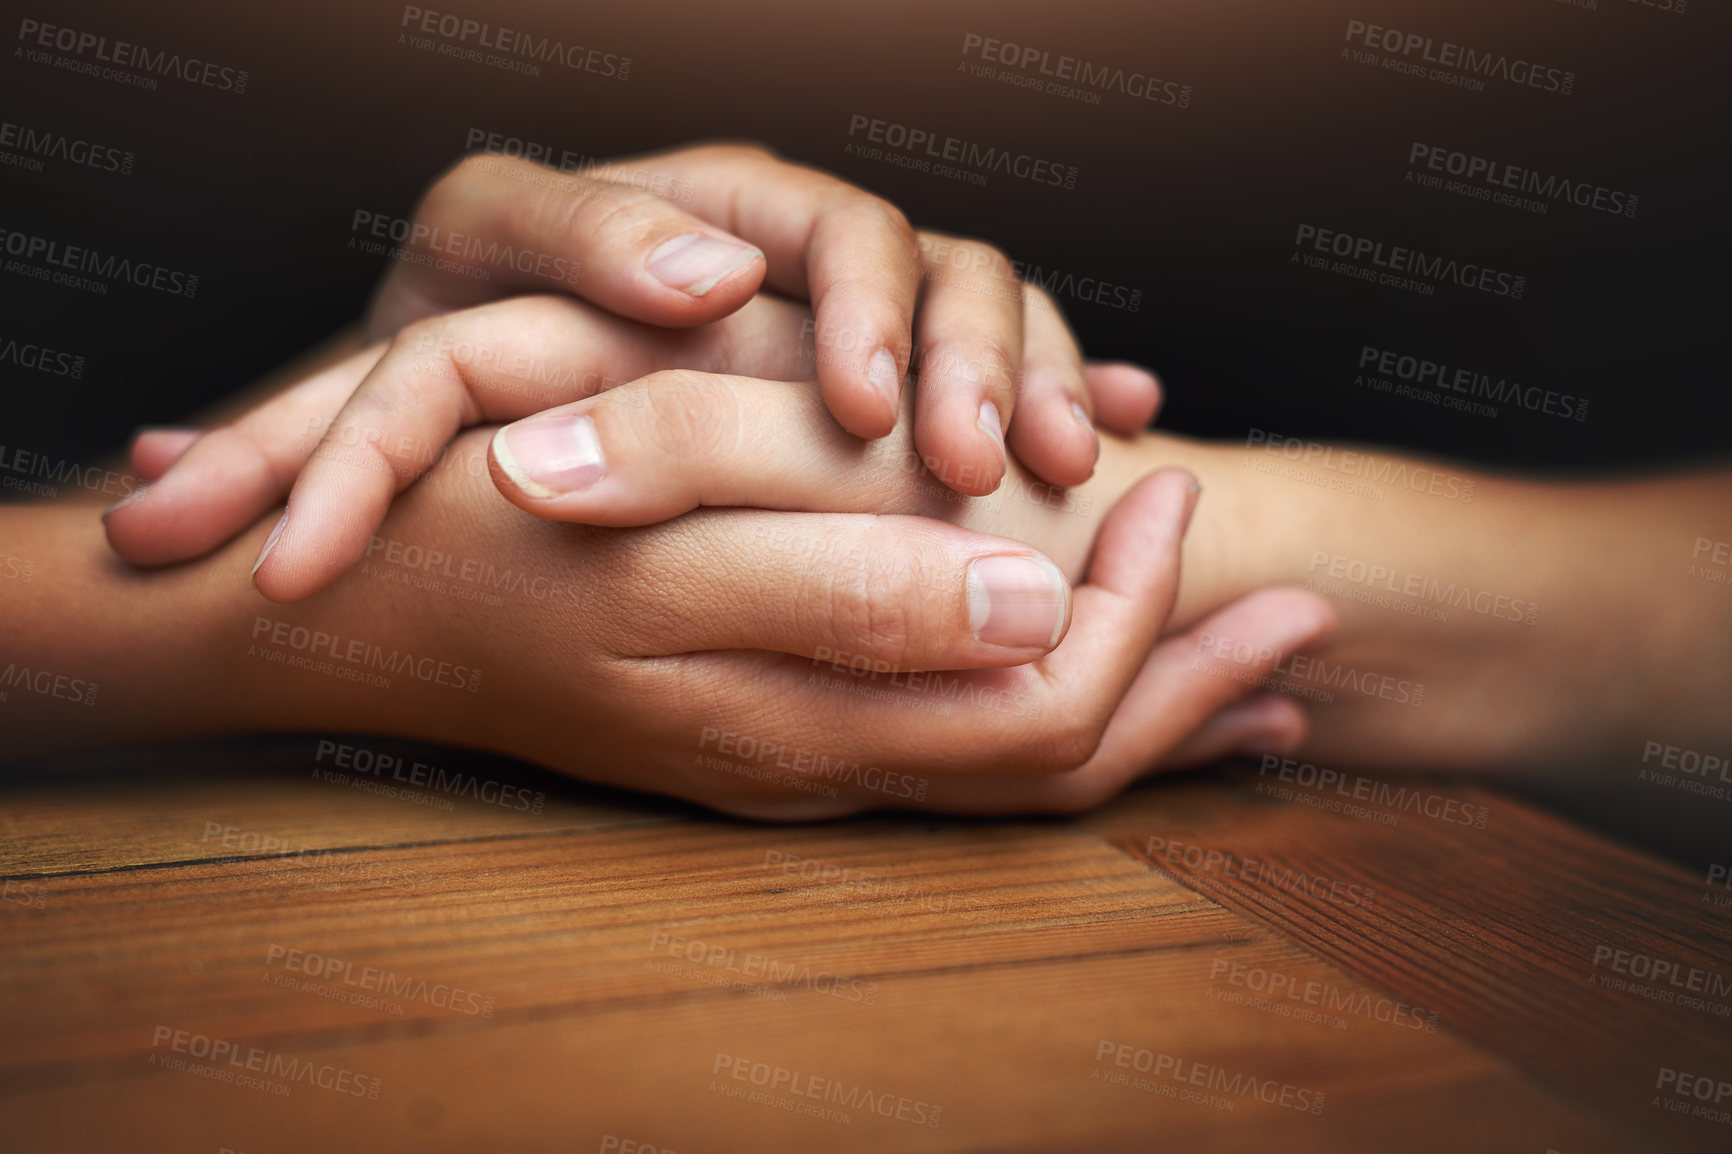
x=615, y=961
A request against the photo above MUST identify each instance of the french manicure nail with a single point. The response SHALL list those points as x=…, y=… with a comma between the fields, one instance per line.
x=551, y=456
x=881, y=371
x=270, y=543
x=129, y=499
x=1017, y=602
x=989, y=423
x=696, y=262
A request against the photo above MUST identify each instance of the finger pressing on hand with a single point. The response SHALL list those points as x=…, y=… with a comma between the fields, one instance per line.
x=155, y=449
x=1186, y=707
x=1054, y=431
x=500, y=225
x=224, y=480
x=852, y=254
x=886, y=593
x=1126, y=397
x=968, y=354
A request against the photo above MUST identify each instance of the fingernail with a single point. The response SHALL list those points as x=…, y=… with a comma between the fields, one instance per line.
x=1191, y=495
x=696, y=262
x=552, y=456
x=270, y=543
x=1082, y=418
x=129, y=499
x=881, y=371
x=1017, y=602
x=989, y=423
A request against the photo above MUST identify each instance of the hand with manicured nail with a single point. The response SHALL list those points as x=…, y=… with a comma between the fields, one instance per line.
x=872, y=582
x=353, y=435
x=754, y=221
x=781, y=665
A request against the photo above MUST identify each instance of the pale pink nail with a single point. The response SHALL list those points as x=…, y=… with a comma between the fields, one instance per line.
x=551, y=456
x=881, y=371
x=132, y=497
x=1017, y=602
x=696, y=262
x=990, y=424
x=270, y=543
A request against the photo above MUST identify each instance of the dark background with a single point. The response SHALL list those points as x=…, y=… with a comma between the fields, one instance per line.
x=1194, y=208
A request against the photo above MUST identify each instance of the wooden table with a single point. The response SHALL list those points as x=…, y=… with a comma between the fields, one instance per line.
x=236, y=947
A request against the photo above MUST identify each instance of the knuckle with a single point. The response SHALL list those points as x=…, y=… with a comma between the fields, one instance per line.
x=983, y=360
x=590, y=208
x=876, y=605
x=1063, y=746
x=882, y=213
x=692, y=416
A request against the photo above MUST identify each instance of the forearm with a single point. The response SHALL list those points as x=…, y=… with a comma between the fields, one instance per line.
x=94, y=652
x=1549, y=623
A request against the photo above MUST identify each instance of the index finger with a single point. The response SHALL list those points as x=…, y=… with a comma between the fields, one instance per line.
x=494, y=226
x=852, y=254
